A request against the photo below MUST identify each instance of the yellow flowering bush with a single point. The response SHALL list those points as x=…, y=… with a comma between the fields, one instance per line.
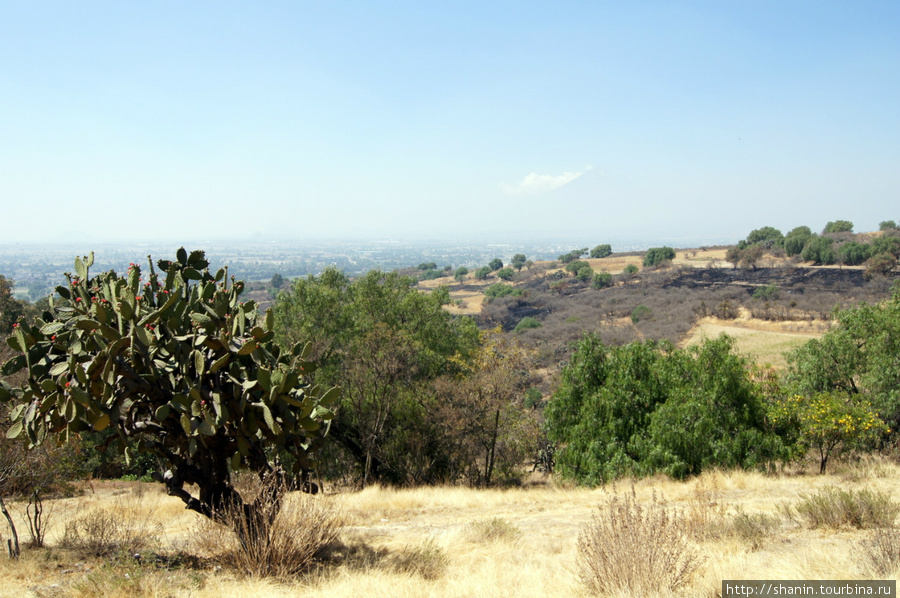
x=829, y=422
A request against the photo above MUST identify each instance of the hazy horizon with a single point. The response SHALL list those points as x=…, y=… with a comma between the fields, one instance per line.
x=678, y=120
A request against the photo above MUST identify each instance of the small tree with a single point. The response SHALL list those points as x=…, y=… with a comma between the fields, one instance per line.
x=506, y=273
x=766, y=236
x=461, y=273
x=518, y=261
x=576, y=265
x=585, y=273
x=277, y=281
x=483, y=272
x=181, y=365
x=601, y=251
x=887, y=225
x=495, y=264
x=830, y=422
x=838, y=226
x=602, y=280
x=658, y=255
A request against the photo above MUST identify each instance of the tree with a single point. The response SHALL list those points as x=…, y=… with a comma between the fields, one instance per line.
x=518, y=261
x=483, y=272
x=796, y=240
x=630, y=270
x=461, y=273
x=10, y=308
x=644, y=408
x=766, y=236
x=818, y=250
x=427, y=266
x=495, y=264
x=183, y=367
x=830, y=422
x=860, y=356
x=584, y=273
x=573, y=255
x=880, y=265
x=602, y=280
x=853, y=253
x=576, y=265
x=505, y=273
x=838, y=226
x=601, y=251
x=887, y=225
x=277, y=281
x=385, y=342
x=751, y=256
x=657, y=255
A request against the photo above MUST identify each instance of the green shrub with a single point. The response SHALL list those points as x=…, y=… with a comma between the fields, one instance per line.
x=838, y=226
x=646, y=408
x=630, y=269
x=500, y=289
x=506, y=273
x=640, y=313
x=657, y=255
x=766, y=293
x=602, y=280
x=527, y=323
x=601, y=251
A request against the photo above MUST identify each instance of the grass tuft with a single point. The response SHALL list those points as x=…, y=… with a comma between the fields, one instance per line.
x=835, y=507
x=636, y=549
x=495, y=529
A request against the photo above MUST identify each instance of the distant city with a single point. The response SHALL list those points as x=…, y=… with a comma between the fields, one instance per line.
x=37, y=269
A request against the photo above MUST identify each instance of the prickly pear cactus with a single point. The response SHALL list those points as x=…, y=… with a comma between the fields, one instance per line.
x=176, y=361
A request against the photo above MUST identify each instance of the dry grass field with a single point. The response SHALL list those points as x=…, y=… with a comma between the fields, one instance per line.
x=455, y=542
x=764, y=341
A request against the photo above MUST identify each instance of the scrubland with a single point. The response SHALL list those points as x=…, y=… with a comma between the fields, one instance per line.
x=454, y=541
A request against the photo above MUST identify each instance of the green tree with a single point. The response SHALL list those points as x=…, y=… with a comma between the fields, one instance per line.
x=277, y=281
x=585, y=274
x=818, y=250
x=830, y=422
x=838, y=226
x=630, y=270
x=385, y=342
x=506, y=273
x=518, y=261
x=796, y=240
x=181, y=366
x=483, y=272
x=573, y=255
x=657, y=255
x=601, y=251
x=887, y=225
x=575, y=265
x=861, y=355
x=766, y=236
x=461, y=273
x=853, y=253
x=644, y=408
x=427, y=266
x=602, y=280
x=495, y=264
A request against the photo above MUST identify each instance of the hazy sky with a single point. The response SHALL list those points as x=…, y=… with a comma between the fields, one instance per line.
x=170, y=120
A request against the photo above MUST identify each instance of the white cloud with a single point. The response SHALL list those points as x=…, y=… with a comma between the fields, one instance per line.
x=539, y=183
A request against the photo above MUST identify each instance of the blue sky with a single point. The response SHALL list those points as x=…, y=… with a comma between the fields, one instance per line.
x=186, y=120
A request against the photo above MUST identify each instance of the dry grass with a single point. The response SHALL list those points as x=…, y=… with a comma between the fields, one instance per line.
x=455, y=542
x=764, y=341
x=636, y=548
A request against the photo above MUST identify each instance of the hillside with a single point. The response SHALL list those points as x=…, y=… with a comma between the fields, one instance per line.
x=774, y=307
